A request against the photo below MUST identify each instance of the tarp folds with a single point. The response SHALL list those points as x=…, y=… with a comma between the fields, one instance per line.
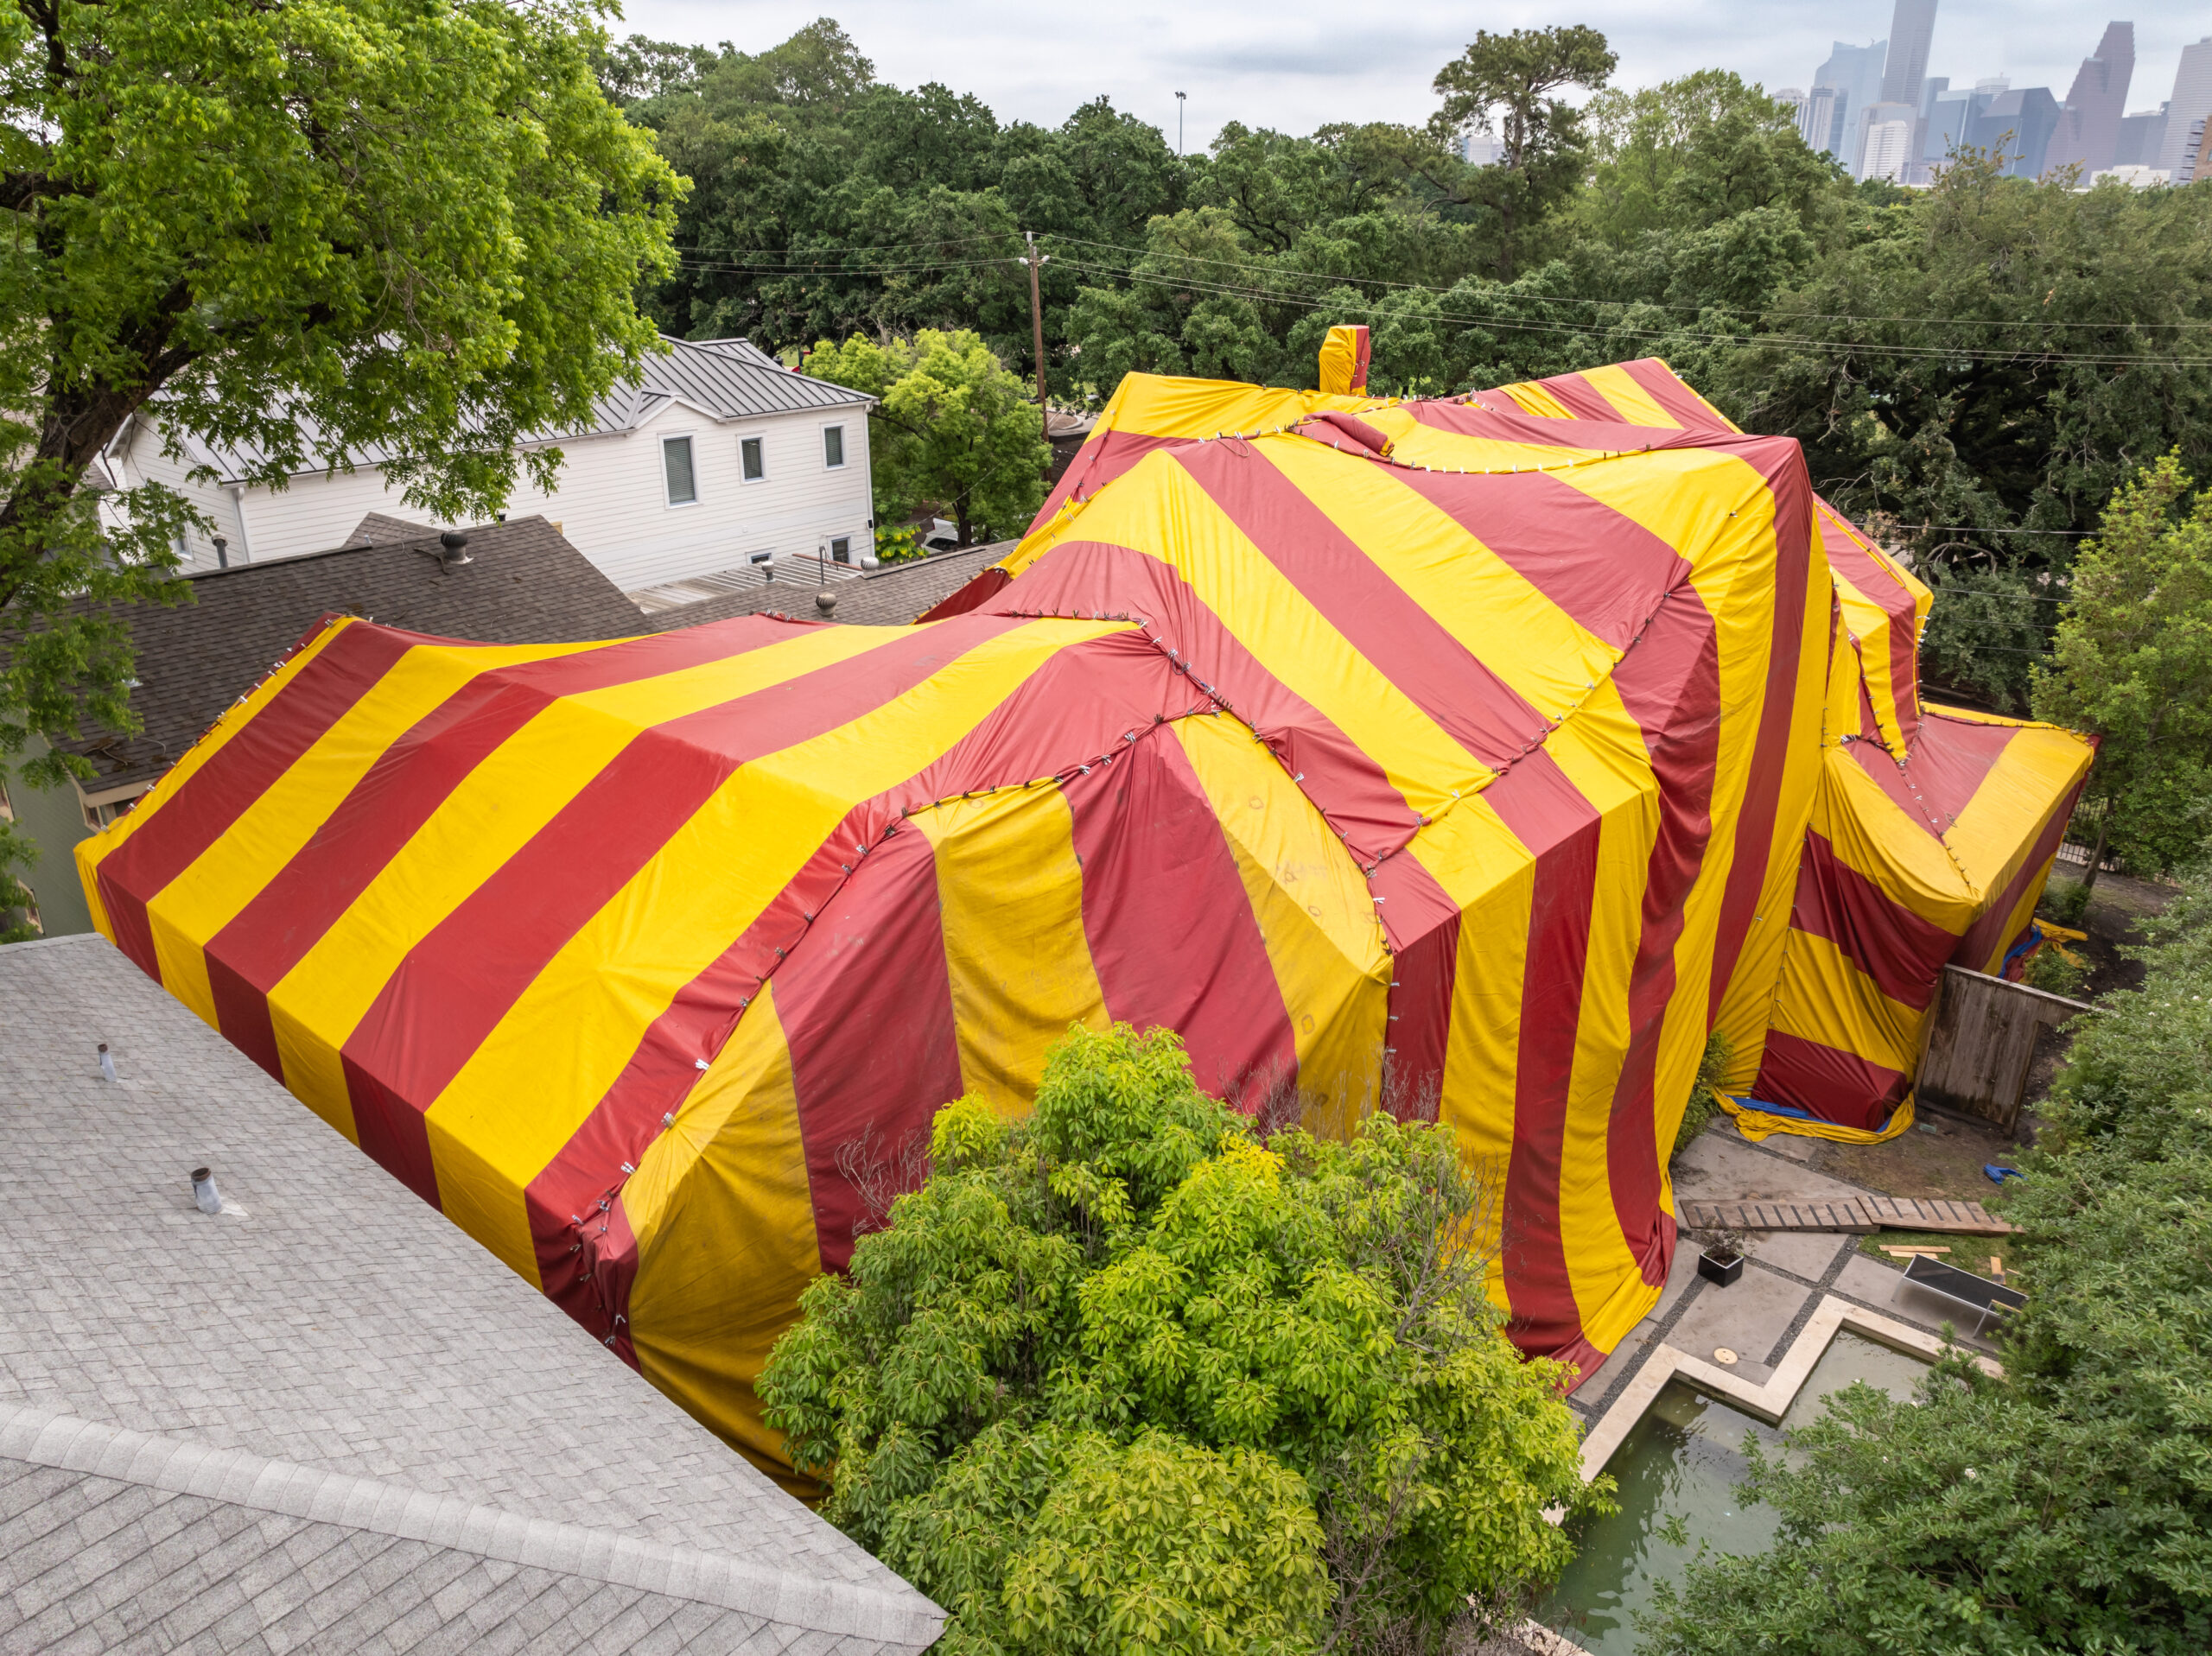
x=1461, y=751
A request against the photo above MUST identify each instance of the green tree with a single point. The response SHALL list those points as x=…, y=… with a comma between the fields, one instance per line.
x=2133, y=661
x=951, y=431
x=1120, y=1376
x=1505, y=83
x=297, y=232
x=2069, y=1505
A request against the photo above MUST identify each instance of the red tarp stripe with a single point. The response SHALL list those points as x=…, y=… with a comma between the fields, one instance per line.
x=1817, y=1078
x=1548, y=815
x=1079, y=704
x=401, y=790
x=865, y=1081
x=1783, y=464
x=1097, y=463
x=1504, y=420
x=1944, y=769
x=1901, y=953
x=1422, y=979
x=1983, y=937
x=195, y=814
x=1667, y=390
x=1393, y=633
x=1086, y=578
x=455, y=984
x=977, y=592
x=1583, y=400
x=1670, y=684
x=1172, y=936
x=392, y=1130
x=1544, y=529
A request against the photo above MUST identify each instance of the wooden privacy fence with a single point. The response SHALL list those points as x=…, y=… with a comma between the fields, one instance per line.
x=1980, y=1042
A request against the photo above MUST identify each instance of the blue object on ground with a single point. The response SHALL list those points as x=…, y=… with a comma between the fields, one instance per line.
x=1998, y=1174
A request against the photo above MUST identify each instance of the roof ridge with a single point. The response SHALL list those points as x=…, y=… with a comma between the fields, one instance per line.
x=240, y=1478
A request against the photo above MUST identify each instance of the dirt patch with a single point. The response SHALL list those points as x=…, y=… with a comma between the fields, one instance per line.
x=1939, y=1158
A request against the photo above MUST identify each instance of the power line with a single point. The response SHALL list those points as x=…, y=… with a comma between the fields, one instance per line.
x=1957, y=353
x=1421, y=287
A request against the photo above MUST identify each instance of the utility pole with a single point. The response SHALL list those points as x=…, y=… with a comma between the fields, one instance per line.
x=1179, y=97
x=1036, y=312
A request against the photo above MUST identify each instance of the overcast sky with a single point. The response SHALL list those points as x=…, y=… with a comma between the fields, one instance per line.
x=1293, y=63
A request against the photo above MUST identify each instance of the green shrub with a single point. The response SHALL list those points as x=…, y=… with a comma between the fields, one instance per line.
x=1705, y=1091
x=1120, y=1377
x=2067, y=1507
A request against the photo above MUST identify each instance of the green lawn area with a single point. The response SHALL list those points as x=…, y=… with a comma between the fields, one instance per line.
x=1967, y=1253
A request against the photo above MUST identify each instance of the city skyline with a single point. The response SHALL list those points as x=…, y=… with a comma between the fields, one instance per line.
x=1295, y=64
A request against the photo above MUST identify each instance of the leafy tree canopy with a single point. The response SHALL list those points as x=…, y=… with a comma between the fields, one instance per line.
x=300, y=233
x=2133, y=661
x=2068, y=1507
x=1120, y=1376
x=951, y=429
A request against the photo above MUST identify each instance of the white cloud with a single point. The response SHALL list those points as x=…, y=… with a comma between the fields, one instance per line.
x=1293, y=63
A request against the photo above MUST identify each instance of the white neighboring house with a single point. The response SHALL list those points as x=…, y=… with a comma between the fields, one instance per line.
x=722, y=459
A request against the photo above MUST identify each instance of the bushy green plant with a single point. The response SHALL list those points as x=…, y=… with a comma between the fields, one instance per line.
x=901, y=545
x=1704, y=1090
x=2069, y=1505
x=1122, y=1377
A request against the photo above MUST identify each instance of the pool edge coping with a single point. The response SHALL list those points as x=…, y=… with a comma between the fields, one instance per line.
x=1769, y=1401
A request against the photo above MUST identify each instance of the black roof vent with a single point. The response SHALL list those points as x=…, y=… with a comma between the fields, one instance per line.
x=455, y=544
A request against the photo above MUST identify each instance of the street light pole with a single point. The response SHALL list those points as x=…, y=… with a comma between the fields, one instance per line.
x=1179, y=98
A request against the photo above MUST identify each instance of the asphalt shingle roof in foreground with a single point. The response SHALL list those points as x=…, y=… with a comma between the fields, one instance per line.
x=331, y=1422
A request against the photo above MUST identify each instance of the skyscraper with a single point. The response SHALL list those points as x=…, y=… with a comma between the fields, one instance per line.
x=2089, y=126
x=2191, y=102
x=1855, y=72
x=1912, y=26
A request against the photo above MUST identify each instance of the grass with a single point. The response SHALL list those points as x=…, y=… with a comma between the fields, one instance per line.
x=1967, y=1253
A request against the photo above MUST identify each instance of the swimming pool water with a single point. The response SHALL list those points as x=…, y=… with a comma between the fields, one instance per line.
x=1685, y=1457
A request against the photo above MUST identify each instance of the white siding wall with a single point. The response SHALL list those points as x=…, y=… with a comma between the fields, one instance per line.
x=612, y=501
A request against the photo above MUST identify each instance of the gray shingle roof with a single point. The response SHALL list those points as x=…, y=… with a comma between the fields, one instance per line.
x=523, y=584
x=331, y=1422
x=728, y=379
x=893, y=597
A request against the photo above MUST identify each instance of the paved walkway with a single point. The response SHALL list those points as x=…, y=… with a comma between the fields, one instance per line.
x=1761, y=1312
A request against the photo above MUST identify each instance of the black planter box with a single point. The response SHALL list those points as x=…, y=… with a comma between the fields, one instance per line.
x=1723, y=1270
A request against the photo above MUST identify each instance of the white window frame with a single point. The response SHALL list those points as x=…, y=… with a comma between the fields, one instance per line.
x=691, y=462
x=832, y=543
x=844, y=458
x=761, y=438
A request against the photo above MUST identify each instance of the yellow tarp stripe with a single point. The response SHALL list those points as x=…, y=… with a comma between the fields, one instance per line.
x=1010, y=889
x=523, y=1092
x=723, y=1213
x=1314, y=913
x=273, y=829
x=1828, y=999
x=1175, y=520
x=1635, y=405
x=489, y=816
x=1491, y=609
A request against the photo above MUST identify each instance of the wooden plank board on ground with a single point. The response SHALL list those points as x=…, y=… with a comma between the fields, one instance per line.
x=1857, y=1214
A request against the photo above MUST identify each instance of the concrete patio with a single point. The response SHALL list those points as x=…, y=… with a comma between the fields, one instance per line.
x=1786, y=1275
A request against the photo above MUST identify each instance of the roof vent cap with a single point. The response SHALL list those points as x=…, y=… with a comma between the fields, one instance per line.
x=455, y=545
x=205, y=1197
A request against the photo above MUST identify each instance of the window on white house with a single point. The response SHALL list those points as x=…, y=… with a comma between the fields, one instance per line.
x=833, y=446
x=675, y=460
x=840, y=549
x=748, y=450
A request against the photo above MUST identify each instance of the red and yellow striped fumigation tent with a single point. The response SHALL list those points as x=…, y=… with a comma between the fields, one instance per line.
x=1438, y=742
x=1933, y=830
